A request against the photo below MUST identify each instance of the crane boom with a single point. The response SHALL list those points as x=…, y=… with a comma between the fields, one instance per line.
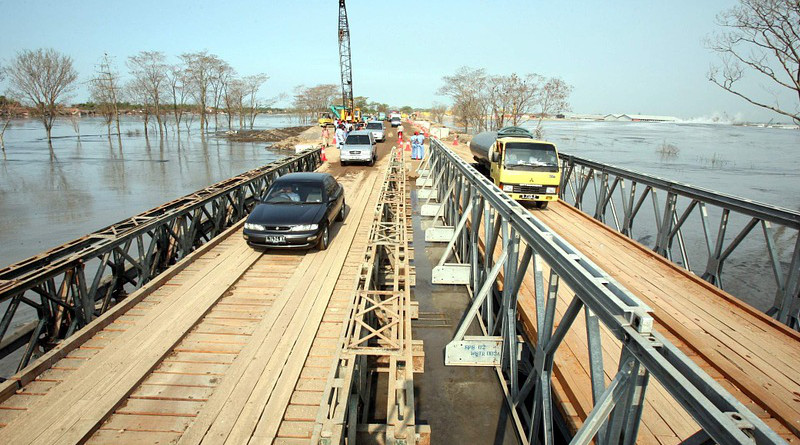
x=344, y=59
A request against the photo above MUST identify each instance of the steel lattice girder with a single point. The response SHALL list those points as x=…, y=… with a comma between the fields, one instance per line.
x=130, y=252
x=645, y=352
x=579, y=173
x=380, y=310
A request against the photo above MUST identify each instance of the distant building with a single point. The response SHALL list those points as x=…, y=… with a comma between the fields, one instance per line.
x=586, y=117
x=638, y=118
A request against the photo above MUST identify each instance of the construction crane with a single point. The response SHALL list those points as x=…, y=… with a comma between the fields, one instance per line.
x=349, y=111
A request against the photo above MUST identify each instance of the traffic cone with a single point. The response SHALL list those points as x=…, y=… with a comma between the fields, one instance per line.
x=322, y=155
x=455, y=141
x=408, y=146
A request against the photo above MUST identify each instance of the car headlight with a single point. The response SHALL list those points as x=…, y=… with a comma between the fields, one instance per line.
x=550, y=190
x=508, y=187
x=304, y=227
x=251, y=226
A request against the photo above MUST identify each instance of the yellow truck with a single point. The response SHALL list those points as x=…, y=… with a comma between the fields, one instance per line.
x=523, y=167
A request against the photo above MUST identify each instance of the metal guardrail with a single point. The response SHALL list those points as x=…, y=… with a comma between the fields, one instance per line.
x=74, y=283
x=615, y=188
x=467, y=202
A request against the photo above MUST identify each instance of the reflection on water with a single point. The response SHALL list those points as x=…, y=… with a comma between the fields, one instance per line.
x=94, y=181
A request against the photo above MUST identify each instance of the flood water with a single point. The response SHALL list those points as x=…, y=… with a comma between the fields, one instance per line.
x=92, y=182
x=762, y=164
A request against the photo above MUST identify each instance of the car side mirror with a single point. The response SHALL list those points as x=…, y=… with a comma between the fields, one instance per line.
x=495, y=156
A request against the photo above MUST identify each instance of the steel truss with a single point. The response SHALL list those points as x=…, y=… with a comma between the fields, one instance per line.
x=377, y=336
x=624, y=192
x=72, y=284
x=499, y=242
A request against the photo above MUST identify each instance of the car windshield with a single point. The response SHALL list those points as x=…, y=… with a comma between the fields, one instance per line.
x=357, y=139
x=375, y=126
x=526, y=156
x=296, y=193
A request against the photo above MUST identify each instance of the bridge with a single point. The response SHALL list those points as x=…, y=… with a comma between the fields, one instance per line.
x=168, y=328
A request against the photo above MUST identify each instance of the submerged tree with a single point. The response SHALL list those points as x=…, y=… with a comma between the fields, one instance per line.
x=760, y=37
x=106, y=92
x=201, y=68
x=178, y=91
x=252, y=84
x=42, y=78
x=149, y=69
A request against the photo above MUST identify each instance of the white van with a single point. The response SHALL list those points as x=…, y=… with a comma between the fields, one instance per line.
x=359, y=146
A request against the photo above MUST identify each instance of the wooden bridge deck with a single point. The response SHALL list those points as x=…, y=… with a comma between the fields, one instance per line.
x=755, y=358
x=231, y=345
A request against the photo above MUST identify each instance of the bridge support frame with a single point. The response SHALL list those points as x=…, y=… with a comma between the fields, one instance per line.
x=490, y=231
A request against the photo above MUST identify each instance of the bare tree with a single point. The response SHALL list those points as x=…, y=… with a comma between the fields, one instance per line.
x=552, y=98
x=106, y=91
x=9, y=108
x=178, y=91
x=482, y=101
x=221, y=74
x=308, y=101
x=438, y=111
x=138, y=89
x=149, y=68
x=234, y=94
x=252, y=84
x=200, y=68
x=466, y=88
x=42, y=78
x=761, y=37
x=75, y=120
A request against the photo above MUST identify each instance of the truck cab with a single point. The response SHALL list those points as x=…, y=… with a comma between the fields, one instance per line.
x=525, y=168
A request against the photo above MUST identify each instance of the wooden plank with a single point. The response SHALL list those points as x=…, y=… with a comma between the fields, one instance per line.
x=236, y=424
x=133, y=422
x=83, y=406
x=32, y=370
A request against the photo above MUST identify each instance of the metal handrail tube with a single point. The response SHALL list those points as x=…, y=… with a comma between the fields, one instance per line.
x=623, y=314
x=768, y=212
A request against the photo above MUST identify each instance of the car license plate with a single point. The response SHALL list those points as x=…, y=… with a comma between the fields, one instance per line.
x=527, y=196
x=275, y=239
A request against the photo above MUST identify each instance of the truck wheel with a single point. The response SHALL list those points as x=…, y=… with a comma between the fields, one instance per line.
x=542, y=205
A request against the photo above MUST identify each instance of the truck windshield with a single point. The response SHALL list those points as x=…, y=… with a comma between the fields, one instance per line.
x=527, y=156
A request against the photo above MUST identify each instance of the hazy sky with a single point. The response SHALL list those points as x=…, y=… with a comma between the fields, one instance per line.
x=621, y=57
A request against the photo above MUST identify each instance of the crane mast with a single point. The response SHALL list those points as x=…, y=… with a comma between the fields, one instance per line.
x=344, y=61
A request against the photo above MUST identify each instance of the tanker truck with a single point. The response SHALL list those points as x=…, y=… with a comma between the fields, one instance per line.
x=523, y=167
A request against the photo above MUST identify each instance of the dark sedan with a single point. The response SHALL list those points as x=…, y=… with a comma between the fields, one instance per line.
x=297, y=211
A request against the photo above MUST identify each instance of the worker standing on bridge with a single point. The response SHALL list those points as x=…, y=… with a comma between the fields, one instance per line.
x=340, y=136
x=417, y=146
